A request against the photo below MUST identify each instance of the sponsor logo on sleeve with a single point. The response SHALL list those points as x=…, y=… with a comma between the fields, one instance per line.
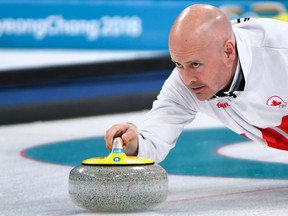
x=223, y=105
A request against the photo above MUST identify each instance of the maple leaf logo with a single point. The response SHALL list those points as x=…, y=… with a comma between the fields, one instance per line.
x=276, y=101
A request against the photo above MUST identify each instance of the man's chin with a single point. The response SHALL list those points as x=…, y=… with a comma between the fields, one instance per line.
x=202, y=97
x=201, y=94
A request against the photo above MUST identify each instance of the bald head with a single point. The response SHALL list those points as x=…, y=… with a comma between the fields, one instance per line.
x=203, y=48
x=202, y=24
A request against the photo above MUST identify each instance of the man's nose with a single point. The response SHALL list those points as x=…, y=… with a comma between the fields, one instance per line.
x=189, y=76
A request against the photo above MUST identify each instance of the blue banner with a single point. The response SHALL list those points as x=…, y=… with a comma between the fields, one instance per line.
x=138, y=25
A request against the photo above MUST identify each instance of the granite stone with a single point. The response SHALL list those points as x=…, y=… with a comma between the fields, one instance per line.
x=118, y=188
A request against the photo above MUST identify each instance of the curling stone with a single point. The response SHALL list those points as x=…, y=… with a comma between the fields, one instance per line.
x=118, y=183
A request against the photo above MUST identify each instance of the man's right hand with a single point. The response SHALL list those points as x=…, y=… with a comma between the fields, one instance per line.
x=129, y=135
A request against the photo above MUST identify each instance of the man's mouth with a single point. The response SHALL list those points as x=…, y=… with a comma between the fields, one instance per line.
x=197, y=89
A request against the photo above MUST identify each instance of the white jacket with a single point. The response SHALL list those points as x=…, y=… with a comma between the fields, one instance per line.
x=260, y=112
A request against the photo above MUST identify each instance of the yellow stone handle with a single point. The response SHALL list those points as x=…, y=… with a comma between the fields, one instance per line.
x=117, y=157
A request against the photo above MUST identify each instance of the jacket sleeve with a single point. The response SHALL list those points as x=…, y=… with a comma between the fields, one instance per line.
x=171, y=112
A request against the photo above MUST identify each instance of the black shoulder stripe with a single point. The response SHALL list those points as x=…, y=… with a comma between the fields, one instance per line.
x=240, y=20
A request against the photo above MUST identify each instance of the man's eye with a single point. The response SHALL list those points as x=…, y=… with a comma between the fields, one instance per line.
x=178, y=65
x=196, y=65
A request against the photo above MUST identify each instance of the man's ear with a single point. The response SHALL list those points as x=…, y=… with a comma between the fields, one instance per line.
x=229, y=49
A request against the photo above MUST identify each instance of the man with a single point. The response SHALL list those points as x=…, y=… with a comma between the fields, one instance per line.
x=235, y=73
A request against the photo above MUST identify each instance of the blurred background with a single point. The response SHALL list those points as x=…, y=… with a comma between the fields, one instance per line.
x=71, y=58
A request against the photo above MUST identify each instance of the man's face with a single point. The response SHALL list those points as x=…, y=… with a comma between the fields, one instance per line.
x=202, y=67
